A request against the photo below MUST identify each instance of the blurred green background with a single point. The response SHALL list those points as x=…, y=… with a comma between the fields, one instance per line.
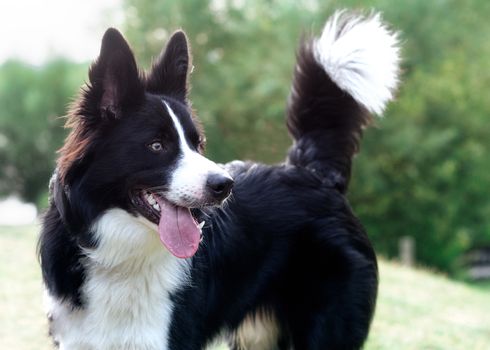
x=423, y=170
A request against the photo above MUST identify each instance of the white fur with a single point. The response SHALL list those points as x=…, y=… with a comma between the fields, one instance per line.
x=126, y=290
x=258, y=331
x=361, y=55
x=188, y=184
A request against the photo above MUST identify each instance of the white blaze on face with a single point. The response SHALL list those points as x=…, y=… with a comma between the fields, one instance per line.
x=188, y=183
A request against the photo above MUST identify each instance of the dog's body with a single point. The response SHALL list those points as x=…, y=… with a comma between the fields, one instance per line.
x=283, y=264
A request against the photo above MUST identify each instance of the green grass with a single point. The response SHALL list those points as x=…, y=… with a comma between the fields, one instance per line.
x=22, y=321
x=417, y=309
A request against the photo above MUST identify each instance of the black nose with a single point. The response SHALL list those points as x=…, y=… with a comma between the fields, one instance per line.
x=219, y=186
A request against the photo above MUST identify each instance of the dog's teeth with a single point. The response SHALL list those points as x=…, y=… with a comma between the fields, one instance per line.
x=201, y=225
x=150, y=199
x=156, y=206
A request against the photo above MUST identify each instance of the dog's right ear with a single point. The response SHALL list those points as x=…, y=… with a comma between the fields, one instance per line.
x=169, y=74
x=114, y=79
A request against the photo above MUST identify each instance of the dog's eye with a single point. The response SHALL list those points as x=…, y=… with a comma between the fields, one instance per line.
x=156, y=146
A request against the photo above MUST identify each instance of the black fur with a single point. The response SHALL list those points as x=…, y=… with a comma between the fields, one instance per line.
x=286, y=243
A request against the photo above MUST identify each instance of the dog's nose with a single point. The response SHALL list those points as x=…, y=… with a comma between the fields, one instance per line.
x=219, y=186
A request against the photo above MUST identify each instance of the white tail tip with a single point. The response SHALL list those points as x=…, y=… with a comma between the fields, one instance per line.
x=361, y=55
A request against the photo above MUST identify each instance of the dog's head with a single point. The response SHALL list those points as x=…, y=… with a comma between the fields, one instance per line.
x=135, y=144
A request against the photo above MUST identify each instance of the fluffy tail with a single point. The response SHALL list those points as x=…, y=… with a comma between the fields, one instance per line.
x=340, y=80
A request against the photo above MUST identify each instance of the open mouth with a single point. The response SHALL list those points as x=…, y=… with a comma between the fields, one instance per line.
x=178, y=229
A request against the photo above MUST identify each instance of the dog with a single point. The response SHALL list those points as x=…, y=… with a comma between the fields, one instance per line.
x=144, y=247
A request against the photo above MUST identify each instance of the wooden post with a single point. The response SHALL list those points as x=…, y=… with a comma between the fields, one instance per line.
x=406, y=247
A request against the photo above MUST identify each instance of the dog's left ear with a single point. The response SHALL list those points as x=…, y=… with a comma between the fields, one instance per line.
x=169, y=74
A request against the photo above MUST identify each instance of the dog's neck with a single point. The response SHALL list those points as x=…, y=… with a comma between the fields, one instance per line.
x=124, y=238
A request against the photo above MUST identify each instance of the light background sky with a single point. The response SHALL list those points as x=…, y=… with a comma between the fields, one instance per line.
x=34, y=30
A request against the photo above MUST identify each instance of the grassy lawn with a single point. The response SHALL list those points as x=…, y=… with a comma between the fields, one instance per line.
x=417, y=309
x=22, y=321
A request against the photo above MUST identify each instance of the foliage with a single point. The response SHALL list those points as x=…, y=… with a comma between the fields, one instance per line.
x=243, y=55
x=32, y=100
x=423, y=171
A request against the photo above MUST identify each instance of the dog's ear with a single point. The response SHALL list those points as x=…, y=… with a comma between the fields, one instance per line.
x=169, y=74
x=114, y=77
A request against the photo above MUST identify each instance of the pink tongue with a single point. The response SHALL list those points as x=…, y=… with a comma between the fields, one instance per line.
x=177, y=229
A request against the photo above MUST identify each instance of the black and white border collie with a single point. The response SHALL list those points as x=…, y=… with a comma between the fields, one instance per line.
x=137, y=251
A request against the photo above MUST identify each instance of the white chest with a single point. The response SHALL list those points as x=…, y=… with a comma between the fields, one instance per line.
x=126, y=291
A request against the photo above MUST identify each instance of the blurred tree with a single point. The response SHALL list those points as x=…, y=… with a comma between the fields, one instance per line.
x=243, y=54
x=425, y=171
x=32, y=101
x=422, y=173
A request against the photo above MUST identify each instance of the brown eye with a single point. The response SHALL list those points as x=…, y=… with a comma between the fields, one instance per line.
x=156, y=146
